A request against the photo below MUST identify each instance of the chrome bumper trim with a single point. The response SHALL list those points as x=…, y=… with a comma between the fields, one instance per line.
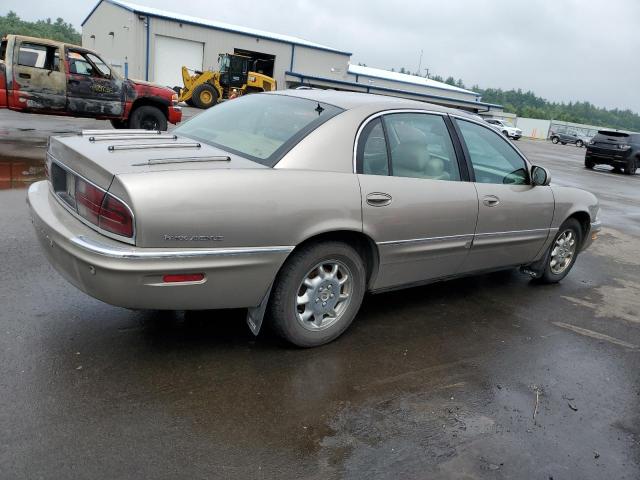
x=98, y=248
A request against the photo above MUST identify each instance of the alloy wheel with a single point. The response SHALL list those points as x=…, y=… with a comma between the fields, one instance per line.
x=324, y=295
x=564, y=249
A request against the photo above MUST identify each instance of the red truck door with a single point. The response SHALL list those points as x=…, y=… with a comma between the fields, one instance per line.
x=38, y=78
x=93, y=89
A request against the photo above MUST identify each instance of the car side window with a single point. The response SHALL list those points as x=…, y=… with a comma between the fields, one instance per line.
x=100, y=65
x=36, y=55
x=421, y=147
x=81, y=64
x=372, y=150
x=492, y=158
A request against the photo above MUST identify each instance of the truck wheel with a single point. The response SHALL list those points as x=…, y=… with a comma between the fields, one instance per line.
x=119, y=123
x=204, y=96
x=563, y=252
x=317, y=293
x=630, y=167
x=190, y=102
x=148, y=117
x=555, y=140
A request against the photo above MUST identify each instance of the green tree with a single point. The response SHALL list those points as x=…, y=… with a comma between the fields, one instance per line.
x=58, y=30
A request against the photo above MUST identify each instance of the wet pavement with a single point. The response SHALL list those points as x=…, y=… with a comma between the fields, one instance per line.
x=23, y=140
x=484, y=377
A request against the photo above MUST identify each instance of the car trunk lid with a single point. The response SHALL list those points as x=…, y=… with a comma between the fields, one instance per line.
x=99, y=155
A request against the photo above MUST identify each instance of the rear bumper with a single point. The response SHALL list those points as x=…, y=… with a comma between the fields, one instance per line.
x=175, y=114
x=131, y=277
x=607, y=157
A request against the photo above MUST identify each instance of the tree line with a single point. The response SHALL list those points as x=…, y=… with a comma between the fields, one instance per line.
x=528, y=104
x=58, y=30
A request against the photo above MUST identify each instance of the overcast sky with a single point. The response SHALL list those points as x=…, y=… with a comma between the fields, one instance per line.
x=563, y=50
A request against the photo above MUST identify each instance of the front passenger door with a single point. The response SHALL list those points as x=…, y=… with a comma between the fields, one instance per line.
x=514, y=217
x=93, y=89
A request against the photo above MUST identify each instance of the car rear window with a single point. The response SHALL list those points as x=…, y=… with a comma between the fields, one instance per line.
x=606, y=133
x=259, y=127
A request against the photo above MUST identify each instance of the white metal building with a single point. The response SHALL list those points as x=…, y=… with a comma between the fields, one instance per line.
x=151, y=44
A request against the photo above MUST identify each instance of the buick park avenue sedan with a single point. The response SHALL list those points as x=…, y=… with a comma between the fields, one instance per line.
x=295, y=204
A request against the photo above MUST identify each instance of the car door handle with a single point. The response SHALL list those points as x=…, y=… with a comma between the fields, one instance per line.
x=490, y=200
x=378, y=199
x=24, y=75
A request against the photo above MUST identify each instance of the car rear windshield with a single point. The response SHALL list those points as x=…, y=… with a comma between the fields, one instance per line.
x=260, y=127
x=606, y=133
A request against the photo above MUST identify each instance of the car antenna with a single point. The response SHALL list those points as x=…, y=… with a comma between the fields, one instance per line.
x=319, y=109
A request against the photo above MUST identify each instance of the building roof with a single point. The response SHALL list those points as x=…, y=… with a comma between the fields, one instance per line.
x=404, y=78
x=178, y=17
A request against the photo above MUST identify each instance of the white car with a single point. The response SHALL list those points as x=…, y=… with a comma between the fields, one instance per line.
x=507, y=131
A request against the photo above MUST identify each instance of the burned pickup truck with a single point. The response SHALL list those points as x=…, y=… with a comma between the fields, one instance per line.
x=54, y=78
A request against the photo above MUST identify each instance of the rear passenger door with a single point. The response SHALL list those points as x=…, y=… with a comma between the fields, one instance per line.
x=38, y=78
x=514, y=216
x=416, y=203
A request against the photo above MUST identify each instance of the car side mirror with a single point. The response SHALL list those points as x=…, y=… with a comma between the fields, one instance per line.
x=540, y=176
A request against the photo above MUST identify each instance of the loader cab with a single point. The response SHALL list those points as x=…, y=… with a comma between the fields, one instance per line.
x=234, y=70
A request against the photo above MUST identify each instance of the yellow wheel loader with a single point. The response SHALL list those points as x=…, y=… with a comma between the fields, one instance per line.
x=205, y=89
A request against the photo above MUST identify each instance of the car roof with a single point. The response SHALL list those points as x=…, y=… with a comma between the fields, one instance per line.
x=354, y=100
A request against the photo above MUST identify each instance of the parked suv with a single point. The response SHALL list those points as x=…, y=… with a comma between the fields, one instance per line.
x=618, y=149
x=507, y=130
x=571, y=136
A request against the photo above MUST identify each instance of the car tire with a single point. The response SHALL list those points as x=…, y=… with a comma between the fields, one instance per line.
x=505, y=133
x=579, y=144
x=119, y=124
x=588, y=163
x=631, y=167
x=148, y=117
x=555, y=140
x=204, y=96
x=560, y=257
x=303, y=308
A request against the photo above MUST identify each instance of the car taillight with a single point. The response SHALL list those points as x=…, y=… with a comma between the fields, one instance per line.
x=115, y=217
x=103, y=210
x=88, y=200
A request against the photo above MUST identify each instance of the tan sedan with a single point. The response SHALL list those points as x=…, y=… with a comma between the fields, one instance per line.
x=294, y=204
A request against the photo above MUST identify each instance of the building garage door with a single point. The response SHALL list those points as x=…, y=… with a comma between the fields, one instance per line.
x=170, y=54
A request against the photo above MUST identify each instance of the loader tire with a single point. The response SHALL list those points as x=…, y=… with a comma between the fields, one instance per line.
x=204, y=96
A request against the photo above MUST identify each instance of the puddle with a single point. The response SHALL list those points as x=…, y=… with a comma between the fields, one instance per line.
x=20, y=172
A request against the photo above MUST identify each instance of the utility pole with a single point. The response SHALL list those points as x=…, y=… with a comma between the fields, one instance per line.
x=420, y=64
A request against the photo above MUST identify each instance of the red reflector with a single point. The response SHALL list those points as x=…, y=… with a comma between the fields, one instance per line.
x=183, y=277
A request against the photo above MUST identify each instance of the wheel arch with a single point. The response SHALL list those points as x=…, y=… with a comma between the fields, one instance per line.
x=584, y=219
x=163, y=106
x=363, y=243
